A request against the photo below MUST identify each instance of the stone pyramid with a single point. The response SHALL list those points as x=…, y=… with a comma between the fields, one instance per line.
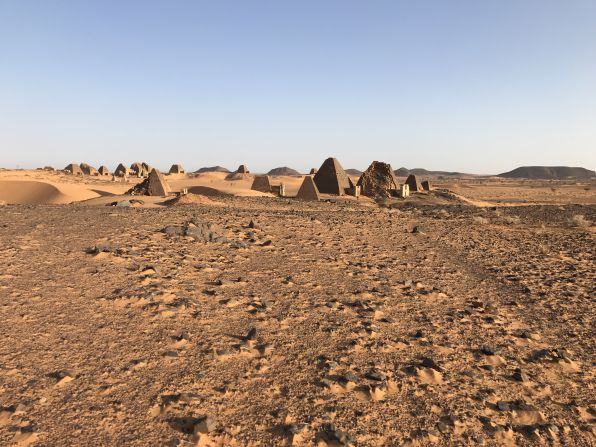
x=154, y=185
x=176, y=169
x=378, y=180
x=331, y=178
x=308, y=190
x=74, y=169
x=261, y=183
x=88, y=169
x=426, y=185
x=242, y=169
x=414, y=184
x=137, y=169
x=103, y=170
x=121, y=170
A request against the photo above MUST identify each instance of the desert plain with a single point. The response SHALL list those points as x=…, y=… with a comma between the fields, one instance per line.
x=230, y=317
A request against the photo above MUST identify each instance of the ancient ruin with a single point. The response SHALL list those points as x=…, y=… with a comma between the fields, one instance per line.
x=88, y=169
x=154, y=185
x=414, y=184
x=121, y=171
x=378, y=180
x=73, y=169
x=279, y=190
x=176, y=169
x=426, y=185
x=403, y=191
x=331, y=178
x=261, y=183
x=308, y=190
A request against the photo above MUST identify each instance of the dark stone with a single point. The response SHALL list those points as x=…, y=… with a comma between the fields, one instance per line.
x=489, y=350
x=520, y=376
x=252, y=334
x=349, y=377
x=376, y=375
x=430, y=363
x=331, y=434
x=503, y=406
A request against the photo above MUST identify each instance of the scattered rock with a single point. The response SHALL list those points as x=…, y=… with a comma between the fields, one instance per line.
x=333, y=436
x=430, y=363
x=206, y=424
x=201, y=232
x=520, y=376
x=376, y=375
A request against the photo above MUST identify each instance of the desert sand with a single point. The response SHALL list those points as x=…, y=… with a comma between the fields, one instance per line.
x=230, y=317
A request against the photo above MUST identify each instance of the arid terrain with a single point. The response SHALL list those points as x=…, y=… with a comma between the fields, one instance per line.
x=463, y=316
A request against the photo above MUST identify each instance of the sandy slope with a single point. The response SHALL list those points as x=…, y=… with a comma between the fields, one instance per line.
x=38, y=187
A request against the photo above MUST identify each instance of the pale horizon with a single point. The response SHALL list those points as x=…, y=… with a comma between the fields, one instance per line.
x=467, y=87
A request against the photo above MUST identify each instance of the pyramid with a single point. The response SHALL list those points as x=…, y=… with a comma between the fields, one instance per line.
x=88, y=169
x=176, y=169
x=331, y=178
x=242, y=169
x=146, y=168
x=426, y=185
x=414, y=184
x=103, y=170
x=308, y=190
x=74, y=169
x=121, y=170
x=138, y=169
x=378, y=180
x=154, y=185
x=261, y=183
x=313, y=171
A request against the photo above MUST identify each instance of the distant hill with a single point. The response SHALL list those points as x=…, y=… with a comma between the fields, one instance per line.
x=549, y=173
x=211, y=169
x=283, y=171
x=353, y=172
x=404, y=172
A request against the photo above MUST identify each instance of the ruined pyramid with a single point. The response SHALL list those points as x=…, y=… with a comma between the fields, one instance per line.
x=154, y=185
x=261, y=183
x=378, y=180
x=414, y=184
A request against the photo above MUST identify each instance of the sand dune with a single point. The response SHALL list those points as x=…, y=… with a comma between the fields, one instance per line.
x=30, y=192
x=40, y=187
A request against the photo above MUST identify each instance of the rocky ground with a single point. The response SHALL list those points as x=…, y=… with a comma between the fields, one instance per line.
x=267, y=322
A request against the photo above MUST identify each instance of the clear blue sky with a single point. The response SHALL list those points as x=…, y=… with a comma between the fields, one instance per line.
x=475, y=86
